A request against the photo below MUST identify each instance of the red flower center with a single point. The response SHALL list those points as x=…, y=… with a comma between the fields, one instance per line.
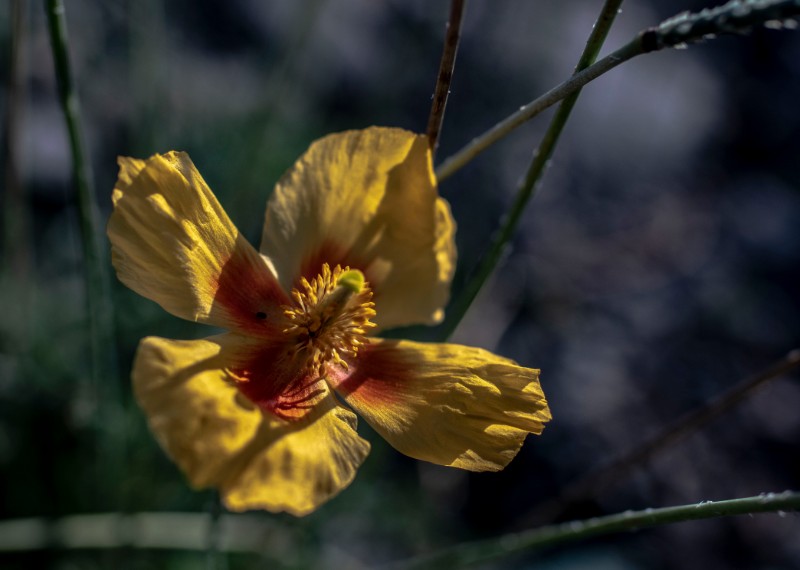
x=325, y=327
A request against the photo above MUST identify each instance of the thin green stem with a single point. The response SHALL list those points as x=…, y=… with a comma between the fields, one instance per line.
x=104, y=369
x=615, y=471
x=460, y=159
x=485, y=550
x=245, y=533
x=445, y=75
x=736, y=17
x=541, y=158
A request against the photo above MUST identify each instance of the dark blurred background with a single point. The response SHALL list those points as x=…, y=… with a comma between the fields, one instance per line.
x=658, y=266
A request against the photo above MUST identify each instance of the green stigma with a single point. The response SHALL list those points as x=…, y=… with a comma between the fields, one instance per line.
x=352, y=279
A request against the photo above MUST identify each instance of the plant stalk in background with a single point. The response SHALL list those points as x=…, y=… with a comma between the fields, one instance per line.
x=245, y=533
x=735, y=17
x=616, y=471
x=469, y=553
x=529, y=185
x=104, y=391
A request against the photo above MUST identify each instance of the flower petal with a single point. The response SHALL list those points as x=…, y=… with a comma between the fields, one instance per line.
x=196, y=413
x=172, y=242
x=297, y=466
x=367, y=199
x=219, y=438
x=444, y=403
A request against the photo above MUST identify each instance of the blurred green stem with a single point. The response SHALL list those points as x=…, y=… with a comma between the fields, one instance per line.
x=469, y=553
x=541, y=158
x=246, y=533
x=15, y=257
x=104, y=369
x=283, y=84
x=445, y=76
x=215, y=558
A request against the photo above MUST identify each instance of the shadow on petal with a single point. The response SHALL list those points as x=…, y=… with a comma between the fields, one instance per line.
x=219, y=438
x=296, y=466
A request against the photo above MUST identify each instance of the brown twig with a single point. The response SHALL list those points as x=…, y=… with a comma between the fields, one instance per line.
x=451, y=39
x=594, y=482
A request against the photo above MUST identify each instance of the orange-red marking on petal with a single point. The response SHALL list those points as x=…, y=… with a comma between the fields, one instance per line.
x=250, y=293
x=378, y=378
x=277, y=381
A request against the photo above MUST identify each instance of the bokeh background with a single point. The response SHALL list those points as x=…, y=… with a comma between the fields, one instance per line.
x=658, y=265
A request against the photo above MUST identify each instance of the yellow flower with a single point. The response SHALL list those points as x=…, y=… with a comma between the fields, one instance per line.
x=355, y=240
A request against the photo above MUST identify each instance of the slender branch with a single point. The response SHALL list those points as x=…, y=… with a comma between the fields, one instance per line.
x=104, y=369
x=615, y=471
x=541, y=157
x=445, y=76
x=460, y=159
x=245, y=533
x=735, y=17
x=470, y=553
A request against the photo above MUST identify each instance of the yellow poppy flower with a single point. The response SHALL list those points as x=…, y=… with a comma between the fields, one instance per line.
x=356, y=239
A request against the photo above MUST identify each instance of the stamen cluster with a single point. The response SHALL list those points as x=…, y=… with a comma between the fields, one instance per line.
x=328, y=320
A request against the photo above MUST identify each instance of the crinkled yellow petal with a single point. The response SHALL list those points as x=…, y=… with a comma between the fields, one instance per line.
x=296, y=466
x=367, y=199
x=193, y=408
x=220, y=439
x=172, y=242
x=444, y=403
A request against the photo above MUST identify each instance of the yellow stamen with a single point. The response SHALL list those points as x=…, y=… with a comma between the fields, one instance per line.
x=330, y=317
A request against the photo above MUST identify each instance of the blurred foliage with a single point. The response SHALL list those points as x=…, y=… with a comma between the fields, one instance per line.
x=658, y=266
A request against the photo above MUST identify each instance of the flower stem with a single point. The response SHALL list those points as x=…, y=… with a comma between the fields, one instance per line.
x=615, y=471
x=735, y=17
x=445, y=76
x=469, y=553
x=104, y=369
x=245, y=533
x=540, y=159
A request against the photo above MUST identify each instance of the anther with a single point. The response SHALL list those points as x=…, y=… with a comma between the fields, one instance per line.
x=330, y=316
